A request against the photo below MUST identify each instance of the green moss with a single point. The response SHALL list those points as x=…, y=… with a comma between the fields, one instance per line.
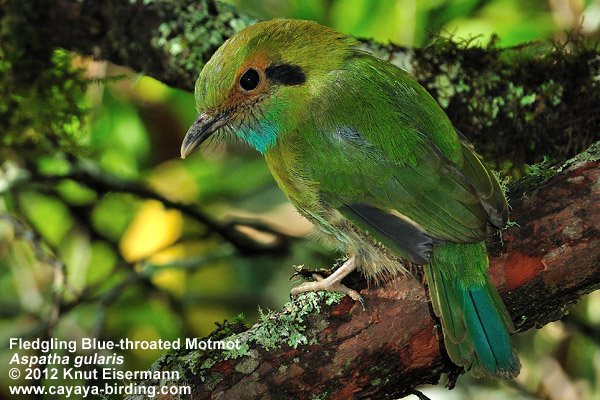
x=290, y=327
x=527, y=100
x=592, y=153
x=193, y=37
x=211, y=381
x=318, y=396
x=42, y=94
x=274, y=330
x=247, y=366
x=541, y=169
x=535, y=175
x=516, y=103
x=207, y=364
x=348, y=363
x=445, y=89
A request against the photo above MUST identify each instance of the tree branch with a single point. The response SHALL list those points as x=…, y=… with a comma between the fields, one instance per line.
x=545, y=264
x=168, y=40
x=517, y=104
x=102, y=183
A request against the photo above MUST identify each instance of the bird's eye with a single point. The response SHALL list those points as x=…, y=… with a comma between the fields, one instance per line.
x=250, y=79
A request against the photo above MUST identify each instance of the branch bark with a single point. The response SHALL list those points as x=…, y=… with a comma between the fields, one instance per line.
x=168, y=40
x=541, y=267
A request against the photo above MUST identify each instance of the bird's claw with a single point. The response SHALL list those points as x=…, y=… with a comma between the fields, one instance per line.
x=321, y=283
x=333, y=283
x=302, y=272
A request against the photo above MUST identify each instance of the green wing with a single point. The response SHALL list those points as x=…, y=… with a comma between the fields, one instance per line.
x=400, y=155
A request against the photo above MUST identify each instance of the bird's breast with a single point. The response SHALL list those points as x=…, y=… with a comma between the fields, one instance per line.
x=291, y=175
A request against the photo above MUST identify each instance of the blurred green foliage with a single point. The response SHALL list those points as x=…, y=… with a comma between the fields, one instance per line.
x=24, y=113
x=122, y=265
x=409, y=22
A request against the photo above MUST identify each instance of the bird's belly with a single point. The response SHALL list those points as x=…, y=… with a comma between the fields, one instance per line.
x=374, y=260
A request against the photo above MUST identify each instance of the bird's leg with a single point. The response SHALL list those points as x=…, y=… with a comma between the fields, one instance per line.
x=332, y=283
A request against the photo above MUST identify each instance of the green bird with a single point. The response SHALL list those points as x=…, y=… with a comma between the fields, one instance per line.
x=370, y=158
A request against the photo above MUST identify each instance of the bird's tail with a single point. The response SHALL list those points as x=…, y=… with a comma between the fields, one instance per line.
x=475, y=323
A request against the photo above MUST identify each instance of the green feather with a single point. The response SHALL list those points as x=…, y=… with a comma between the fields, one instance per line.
x=486, y=185
x=447, y=304
x=475, y=322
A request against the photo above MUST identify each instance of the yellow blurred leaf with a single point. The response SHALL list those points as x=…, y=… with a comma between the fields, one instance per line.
x=144, y=333
x=150, y=89
x=593, y=307
x=169, y=254
x=152, y=229
x=174, y=181
x=171, y=280
x=202, y=318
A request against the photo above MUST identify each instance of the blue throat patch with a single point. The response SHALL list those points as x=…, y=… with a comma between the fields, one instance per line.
x=260, y=135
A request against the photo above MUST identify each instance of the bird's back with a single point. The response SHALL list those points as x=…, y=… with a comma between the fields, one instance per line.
x=373, y=134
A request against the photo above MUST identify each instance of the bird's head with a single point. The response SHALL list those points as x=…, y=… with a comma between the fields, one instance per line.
x=260, y=80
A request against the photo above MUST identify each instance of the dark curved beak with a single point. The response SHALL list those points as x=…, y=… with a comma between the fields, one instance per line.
x=204, y=126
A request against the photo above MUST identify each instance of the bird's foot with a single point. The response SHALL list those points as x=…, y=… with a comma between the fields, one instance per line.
x=333, y=283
